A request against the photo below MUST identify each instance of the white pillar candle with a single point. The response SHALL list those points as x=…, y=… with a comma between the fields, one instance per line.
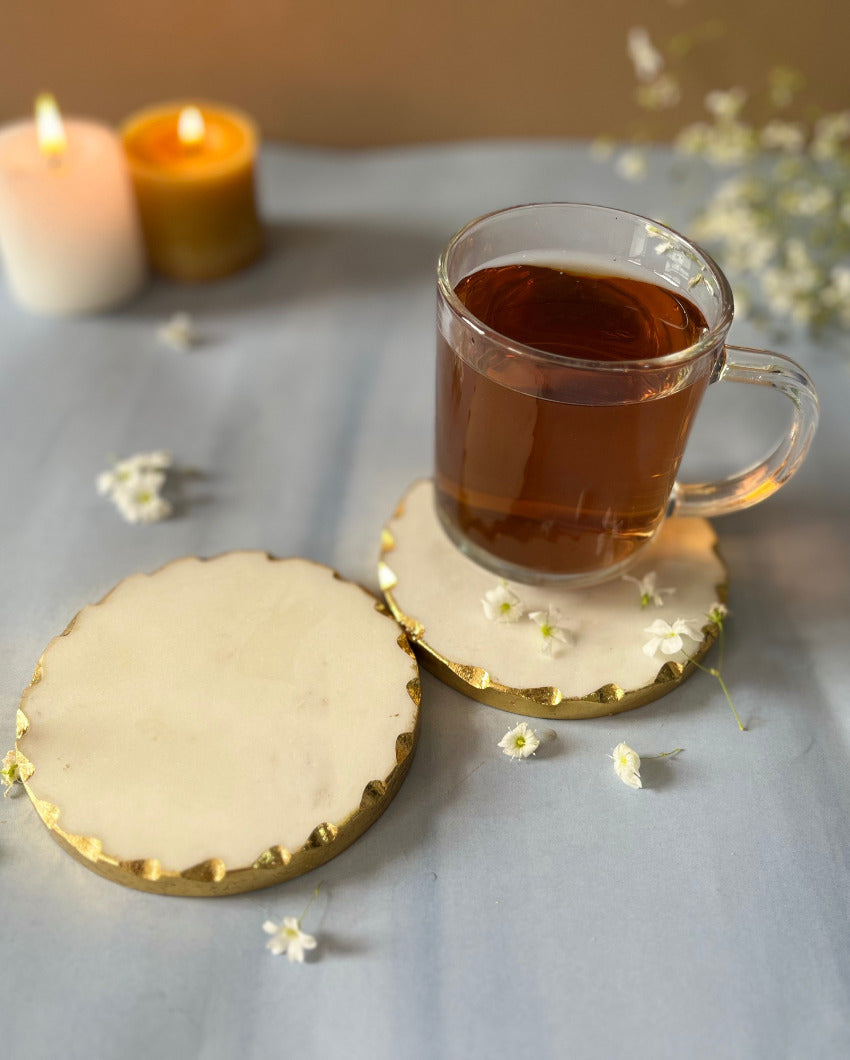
x=69, y=230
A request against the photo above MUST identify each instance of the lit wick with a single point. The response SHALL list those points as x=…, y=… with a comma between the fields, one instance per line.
x=191, y=129
x=50, y=131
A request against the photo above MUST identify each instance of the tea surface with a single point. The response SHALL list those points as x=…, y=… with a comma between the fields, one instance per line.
x=561, y=484
x=600, y=318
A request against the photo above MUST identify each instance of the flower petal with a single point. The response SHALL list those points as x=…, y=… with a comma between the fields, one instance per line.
x=692, y=628
x=632, y=778
x=520, y=742
x=627, y=765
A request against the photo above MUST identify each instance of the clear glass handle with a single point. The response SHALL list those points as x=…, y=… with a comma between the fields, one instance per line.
x=742, y=364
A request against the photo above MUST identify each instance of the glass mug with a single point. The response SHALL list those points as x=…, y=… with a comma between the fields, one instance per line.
x=552, y=466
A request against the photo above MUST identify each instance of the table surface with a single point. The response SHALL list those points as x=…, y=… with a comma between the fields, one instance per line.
x=497, y=909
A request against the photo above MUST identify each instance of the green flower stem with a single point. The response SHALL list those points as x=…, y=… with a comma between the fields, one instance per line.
x=716, y=673
x=313, y=898
x=665, y=754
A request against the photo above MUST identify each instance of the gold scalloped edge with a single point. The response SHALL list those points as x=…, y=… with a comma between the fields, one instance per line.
x=21, y=724
x=546, y=701
x=274, y=865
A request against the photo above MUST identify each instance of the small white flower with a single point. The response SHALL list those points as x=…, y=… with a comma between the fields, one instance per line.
x=837, y=295
x=646, y=58
x=840, y=277
x=123, y=473
x=134, y=486
x=660, y=94
x=627, y=765
x=143, y=482
x=730, y=143
x=288, y=938
x=742, y=230
x=808, y=201
x=717, y=612
x=794, y=288
x=631, y=165
x=726, y=106
x=800, y=260
x=668, y=637
x=649, y=591
x=692, y=139
x=783, y=136
x=140, y=501
x=178, y=333
x=726, y=143
x=502, y=605
x=550, y=632
x=520, y=742
x=830, y=133
x=106, y=482
x=10, y=774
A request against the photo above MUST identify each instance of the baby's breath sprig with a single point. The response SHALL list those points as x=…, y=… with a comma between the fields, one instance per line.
x=287, y=936
x=521, y=741
x=134, y=486
x=627, y=763
x=502, y=604
x=648, y=589
x=551, y=634
x=780, y=223
x=178, y=333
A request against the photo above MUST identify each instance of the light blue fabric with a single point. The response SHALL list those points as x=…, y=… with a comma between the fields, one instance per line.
x=498, y=909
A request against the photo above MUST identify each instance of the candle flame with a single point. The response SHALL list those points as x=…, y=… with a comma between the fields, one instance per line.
x=49, y=128
x=191, y=129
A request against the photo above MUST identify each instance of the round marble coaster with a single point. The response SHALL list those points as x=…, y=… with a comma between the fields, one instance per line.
x=219, y=726
x=436, y=593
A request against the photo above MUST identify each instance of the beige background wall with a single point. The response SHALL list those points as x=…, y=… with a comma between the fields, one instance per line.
x=363, y=72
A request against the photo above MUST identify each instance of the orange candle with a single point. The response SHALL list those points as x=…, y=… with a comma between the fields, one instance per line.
x=193, y=169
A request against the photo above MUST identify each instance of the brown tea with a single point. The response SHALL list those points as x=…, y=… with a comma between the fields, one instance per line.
x=553, y=466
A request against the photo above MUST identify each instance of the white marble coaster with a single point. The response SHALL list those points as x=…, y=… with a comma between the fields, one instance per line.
x=220, y=725
x=435, y=592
